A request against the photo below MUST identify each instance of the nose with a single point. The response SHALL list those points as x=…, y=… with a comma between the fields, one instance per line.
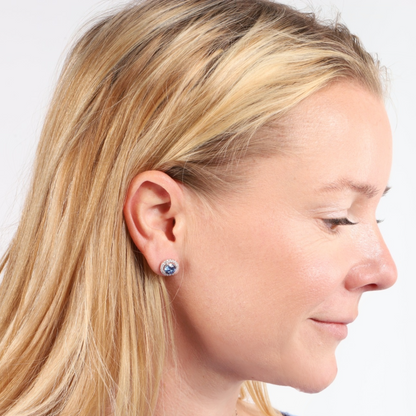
x=375, y=268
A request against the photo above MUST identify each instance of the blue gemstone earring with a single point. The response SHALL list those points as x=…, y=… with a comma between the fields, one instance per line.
x=169, y=267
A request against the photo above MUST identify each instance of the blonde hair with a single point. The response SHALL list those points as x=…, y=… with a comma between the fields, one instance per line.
x=180, y=86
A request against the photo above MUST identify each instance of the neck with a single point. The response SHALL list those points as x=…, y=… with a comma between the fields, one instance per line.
x=189, y=388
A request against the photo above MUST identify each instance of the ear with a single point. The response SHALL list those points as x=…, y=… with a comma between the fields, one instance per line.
x=153, y=212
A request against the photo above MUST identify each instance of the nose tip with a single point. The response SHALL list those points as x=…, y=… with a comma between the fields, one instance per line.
x=388, y=272
x=387, y=266
x=376, y=270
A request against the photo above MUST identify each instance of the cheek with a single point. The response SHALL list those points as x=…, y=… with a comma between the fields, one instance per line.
x=247, y=293
x=279, y=270
x=291, y=263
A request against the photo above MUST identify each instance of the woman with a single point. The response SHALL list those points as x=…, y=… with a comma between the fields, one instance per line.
x=201, y=217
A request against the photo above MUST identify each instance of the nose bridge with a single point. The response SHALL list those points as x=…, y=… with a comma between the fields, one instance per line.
x=375, y=269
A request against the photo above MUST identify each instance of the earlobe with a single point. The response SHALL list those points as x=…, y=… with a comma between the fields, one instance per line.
x=152, y=210
x=169, y=267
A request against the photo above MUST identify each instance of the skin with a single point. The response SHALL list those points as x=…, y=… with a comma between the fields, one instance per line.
x=268, y=278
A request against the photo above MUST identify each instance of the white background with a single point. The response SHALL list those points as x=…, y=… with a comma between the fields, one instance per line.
x=377, y=364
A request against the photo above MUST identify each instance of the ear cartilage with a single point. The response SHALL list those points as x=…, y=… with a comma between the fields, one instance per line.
x=169, y=267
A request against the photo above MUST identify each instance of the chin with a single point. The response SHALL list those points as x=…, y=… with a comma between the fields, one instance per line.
x=305, y=371
x=316, y=380
x=312, y=376
x=313, y=387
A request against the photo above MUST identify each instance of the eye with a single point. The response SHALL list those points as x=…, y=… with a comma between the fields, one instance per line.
x=333, y=223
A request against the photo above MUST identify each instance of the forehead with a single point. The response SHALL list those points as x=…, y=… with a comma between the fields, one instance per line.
x=339, y=135
x=331, y=116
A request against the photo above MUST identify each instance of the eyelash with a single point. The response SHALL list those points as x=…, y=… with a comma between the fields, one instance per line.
x=332, y=223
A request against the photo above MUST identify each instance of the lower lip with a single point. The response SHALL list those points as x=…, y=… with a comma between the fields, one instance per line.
x=338, y=330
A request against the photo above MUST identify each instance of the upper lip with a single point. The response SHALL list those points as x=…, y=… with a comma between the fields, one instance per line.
x=344, y=321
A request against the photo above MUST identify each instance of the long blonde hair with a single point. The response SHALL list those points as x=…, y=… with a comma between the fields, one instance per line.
x=180, y=86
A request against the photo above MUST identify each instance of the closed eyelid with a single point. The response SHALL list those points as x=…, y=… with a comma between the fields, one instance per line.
x=332, y=224
x=339, y=221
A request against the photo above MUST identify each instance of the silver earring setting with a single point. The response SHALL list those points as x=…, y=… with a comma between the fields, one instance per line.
x=169, y=267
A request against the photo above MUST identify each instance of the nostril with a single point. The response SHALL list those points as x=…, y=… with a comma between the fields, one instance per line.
x=372, y=286
x=376, y=274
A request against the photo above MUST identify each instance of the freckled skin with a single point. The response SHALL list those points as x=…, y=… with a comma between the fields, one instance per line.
x=261, y=267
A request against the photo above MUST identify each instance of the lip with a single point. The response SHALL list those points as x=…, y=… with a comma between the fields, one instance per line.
x=337, y=329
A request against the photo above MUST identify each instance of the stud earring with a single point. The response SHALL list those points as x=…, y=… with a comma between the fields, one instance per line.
x=169, y=267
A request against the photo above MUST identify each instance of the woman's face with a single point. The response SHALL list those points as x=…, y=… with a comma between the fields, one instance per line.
x=272, y=276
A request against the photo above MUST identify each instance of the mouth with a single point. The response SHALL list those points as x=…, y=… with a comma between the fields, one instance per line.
x=338, y=330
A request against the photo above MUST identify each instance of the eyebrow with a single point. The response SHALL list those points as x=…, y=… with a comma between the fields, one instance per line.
x=368, y=190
